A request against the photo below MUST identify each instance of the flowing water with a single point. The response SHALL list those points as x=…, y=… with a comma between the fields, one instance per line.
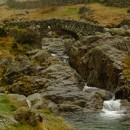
x=113, y=109
x=112, y=117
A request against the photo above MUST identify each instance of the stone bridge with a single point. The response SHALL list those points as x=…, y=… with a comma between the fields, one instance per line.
x=71, y=26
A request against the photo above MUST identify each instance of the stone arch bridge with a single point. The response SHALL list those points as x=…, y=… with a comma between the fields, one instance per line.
x=71, y=26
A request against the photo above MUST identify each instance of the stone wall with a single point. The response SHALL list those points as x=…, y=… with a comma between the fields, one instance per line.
x=80, y=28
x=117, y=3
x=41, y=3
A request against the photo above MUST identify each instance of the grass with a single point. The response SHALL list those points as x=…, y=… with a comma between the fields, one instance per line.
x=107, y=15
x=51, y=122
x=56, y=123
x=6, y=108
x=104, y=15
x=6, y=42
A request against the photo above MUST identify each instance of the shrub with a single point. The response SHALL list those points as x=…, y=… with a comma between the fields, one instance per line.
x=25, y=36
x=2, y=31
x=83, y=10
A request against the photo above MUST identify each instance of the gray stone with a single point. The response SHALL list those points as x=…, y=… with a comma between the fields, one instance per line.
x=19, y=100
x=36, y=100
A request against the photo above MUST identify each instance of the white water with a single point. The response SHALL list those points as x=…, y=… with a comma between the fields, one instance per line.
x=112, y=109
x=53, y=55
x=87, y=88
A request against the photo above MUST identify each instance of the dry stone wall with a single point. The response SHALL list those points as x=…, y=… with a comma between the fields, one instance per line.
x=117, y=3
x=41, y=3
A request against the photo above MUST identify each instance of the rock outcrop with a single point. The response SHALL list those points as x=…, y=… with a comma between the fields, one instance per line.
x=42, y=72
x=99, y=60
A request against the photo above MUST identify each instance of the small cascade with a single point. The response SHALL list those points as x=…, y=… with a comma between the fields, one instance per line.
x=89, y=89
x=112, y=108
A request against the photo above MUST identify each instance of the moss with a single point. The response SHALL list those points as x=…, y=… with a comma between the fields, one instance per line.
x=126, y=71
x=51, y=122
x=72, y=9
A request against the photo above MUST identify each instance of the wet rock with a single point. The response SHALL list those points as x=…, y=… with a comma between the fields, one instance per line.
x=105, y=95
x=123, y=92
x=95, y=103
x=125, y=104
x=29, y=116
x=57, y=46
x=69, y=108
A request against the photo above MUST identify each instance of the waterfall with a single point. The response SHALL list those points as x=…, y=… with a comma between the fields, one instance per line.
x=112, y=108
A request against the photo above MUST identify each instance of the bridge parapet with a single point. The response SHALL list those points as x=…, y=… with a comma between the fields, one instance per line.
x=80, y=28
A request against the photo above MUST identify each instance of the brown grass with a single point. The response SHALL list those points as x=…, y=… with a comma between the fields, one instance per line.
x=5, y=46
x=107, y=15
x=100, y=13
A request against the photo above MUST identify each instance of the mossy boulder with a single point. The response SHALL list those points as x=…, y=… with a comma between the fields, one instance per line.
x=29, y=116
x=27, y=85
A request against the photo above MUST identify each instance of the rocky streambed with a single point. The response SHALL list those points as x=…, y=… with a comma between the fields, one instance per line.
x=55, y=75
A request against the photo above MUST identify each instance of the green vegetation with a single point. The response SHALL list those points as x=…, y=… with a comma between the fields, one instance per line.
x=72, y=10
x=6, y=107
x=2, y=31
x=24, y=36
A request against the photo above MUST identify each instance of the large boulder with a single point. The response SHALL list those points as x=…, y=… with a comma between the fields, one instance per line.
x=99, y=60
x=63, y=88
x=21, y=66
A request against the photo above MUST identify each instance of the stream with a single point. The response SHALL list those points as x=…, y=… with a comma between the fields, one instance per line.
x=112, y=117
